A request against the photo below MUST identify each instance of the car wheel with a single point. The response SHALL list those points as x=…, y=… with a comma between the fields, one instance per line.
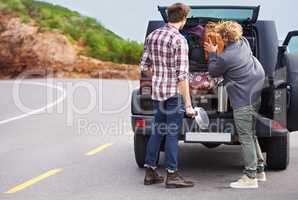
x=140, y=145
x=278, y=150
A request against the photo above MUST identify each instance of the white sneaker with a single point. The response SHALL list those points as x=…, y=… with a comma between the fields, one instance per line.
x=245, y=183
x=261, y=176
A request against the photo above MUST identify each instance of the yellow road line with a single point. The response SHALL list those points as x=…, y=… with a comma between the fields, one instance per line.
x=98, y=149
x=33, y=181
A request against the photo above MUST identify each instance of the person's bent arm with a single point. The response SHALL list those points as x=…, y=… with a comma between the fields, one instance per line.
x=215, y=66
x=146, y=63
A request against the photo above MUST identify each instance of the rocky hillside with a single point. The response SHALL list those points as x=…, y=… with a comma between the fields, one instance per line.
x=32, y=48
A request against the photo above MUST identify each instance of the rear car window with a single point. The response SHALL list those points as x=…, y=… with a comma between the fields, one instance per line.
x=225, y=14
x=241, y=14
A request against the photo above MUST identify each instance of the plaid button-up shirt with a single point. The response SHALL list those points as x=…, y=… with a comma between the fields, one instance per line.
x=166, y=52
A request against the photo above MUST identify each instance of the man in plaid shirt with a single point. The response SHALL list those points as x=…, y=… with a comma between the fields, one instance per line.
x=165, y=58
x=166, y=50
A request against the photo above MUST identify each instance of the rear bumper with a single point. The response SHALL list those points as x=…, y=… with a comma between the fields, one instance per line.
x=217, y=125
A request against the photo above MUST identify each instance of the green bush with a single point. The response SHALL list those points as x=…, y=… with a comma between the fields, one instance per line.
x=100, y=42
x=13, y=5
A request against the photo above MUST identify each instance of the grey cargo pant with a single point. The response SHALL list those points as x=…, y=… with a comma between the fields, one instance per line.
x=245, y=121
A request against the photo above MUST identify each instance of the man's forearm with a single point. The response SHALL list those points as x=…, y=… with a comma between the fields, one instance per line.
x=183, y=87
x=148, y=72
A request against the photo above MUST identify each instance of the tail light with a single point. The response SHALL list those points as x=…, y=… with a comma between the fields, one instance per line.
x=276, y=125
x=140, y=123
x=146, y=85
x=146, y=90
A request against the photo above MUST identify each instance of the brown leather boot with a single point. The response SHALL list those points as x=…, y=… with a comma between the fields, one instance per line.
x=152, y=177
x=174, y=180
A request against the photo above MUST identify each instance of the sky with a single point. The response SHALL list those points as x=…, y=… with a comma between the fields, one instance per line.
x=129, y=18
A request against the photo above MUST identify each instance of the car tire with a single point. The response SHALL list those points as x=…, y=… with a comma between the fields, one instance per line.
x=140, y=145
x=278, y=150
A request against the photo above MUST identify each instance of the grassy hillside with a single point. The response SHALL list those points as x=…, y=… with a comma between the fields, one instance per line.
x=98, y=41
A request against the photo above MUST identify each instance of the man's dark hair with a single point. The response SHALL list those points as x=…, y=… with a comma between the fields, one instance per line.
x=177, y=12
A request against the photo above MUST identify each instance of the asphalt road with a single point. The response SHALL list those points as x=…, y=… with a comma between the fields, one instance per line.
x=72, y=140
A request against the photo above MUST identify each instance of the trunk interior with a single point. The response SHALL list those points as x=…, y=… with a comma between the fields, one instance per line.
x=209, y=100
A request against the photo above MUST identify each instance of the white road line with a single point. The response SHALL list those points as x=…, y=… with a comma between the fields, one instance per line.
x=33, y=112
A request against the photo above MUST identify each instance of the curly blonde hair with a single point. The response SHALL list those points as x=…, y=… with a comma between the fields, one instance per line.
x=230, y=31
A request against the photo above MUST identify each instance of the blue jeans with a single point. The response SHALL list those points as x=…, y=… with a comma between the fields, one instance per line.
x=168, y=121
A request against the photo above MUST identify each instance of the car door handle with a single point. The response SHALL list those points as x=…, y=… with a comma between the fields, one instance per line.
x=289, y=88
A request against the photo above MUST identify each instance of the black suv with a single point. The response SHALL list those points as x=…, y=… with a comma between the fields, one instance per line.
x=278, y=110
